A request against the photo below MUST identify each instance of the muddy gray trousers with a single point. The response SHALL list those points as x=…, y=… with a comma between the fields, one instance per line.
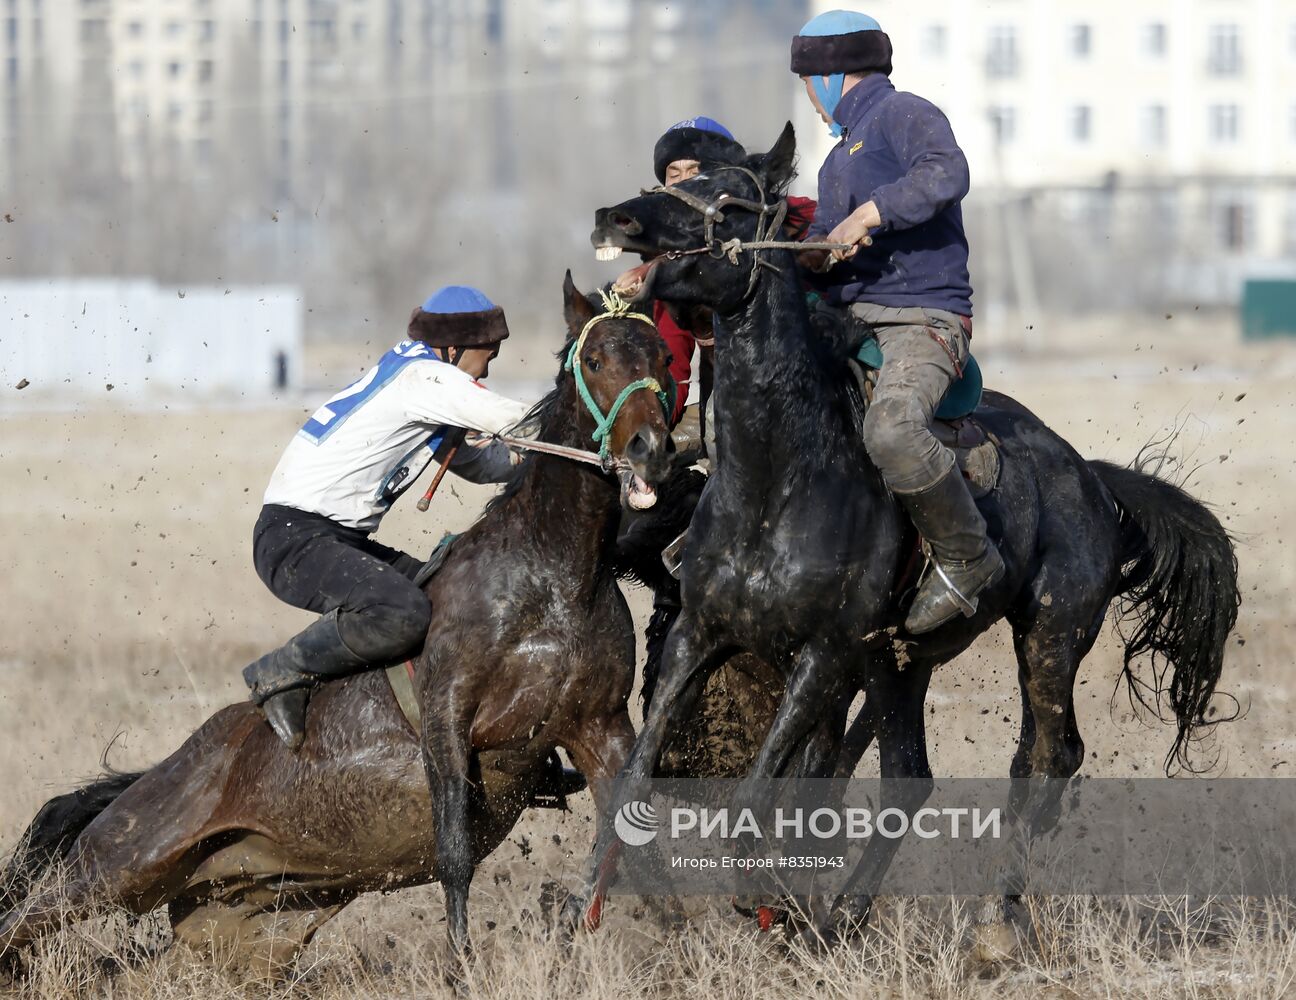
x=923, y=352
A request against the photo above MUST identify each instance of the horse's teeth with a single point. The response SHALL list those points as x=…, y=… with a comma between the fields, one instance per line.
x=607, y=253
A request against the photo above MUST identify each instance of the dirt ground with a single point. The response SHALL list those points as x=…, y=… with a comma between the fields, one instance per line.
x=128, y=606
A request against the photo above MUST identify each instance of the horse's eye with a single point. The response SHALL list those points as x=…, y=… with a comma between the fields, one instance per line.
x=593, y=364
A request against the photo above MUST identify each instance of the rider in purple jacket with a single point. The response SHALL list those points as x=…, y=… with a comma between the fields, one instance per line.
x=891, y=187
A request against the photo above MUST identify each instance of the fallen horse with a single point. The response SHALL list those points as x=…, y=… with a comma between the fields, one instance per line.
x=251, y=847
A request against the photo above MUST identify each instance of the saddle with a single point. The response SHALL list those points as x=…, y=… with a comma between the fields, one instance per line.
x=975, y=449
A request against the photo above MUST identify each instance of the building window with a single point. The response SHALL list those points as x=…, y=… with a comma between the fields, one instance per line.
x=1224, y=53
x=93, y=30
x=1225, y=124
x=11, y=29
x=1080, y=123
x=1003, y=124
x=933, y=41
x=1081, y=40
x=1234, y=220
x=205, y=71
x=174, y=69
x=358, y=31
x=206, y=31
x=11, y=69
x=205, y=110
x=1152, y=126
x=174, y=29
x=283, y=32
x=1154, y=39
x=135, y=29
x=137, y=68
x=1001, y=56
x=283, y=71
x=1291, y=223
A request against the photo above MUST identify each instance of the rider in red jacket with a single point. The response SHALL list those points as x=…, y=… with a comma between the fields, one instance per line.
x=682, y=152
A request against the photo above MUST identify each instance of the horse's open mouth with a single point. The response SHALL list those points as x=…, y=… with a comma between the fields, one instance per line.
x=640, y=277
x=635, y=492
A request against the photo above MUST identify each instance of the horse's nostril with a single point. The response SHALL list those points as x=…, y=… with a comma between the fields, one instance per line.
x=625, y=223
x=638, y=448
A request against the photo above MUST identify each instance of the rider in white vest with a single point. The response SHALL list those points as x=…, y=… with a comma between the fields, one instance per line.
x=341, y=473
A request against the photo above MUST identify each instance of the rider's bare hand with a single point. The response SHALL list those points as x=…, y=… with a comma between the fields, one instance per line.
x=814, y=260
x=854, y=229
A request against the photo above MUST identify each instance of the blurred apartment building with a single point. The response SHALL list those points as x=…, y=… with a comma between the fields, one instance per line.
x=161, y=84
x=1179, y=113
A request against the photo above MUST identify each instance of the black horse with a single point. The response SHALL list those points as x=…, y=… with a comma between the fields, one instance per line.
x=796, y=547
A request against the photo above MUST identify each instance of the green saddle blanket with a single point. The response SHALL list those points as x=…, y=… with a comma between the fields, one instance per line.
x=963, y=396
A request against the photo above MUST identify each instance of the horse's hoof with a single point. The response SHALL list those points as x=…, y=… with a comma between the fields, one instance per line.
x=593, y=916
x=994, y=943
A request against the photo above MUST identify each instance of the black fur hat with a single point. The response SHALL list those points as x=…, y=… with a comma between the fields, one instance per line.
x=696, y=139
x=841, y=41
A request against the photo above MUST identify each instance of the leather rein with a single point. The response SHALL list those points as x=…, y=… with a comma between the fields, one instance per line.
x=769, y=222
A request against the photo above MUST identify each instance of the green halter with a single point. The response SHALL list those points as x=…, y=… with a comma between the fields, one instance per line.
x=617, y=308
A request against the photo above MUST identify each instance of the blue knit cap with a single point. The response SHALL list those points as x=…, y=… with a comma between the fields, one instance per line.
x=457, y=299
x=704, y=123
x=702, y=139
x=807, y=56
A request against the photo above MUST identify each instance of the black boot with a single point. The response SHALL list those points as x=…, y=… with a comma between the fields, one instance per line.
x=964, y=561
x=281, y=681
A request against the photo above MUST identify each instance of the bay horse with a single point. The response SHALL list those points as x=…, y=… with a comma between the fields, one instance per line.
x=253, y=847
x=796, y=547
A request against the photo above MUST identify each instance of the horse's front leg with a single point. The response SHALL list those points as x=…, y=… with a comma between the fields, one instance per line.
x=687, y=661
x=446, y=758
x=599, y=750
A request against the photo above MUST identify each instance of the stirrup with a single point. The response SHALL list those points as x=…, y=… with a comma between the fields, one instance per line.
x=965, y=604
x=673, y=554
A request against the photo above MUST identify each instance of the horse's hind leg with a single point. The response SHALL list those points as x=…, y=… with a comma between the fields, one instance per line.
x=260, y=929
x=1050, y=642
x=136, y=853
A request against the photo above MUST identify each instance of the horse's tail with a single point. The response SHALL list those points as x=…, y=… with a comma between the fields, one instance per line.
x=52, y=833
x=1179, y=599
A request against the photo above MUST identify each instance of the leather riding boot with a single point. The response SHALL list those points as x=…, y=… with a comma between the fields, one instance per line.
x=964, y=561
x=280, y=681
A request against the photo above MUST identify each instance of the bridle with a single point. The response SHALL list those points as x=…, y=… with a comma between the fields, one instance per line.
x=615, y=308
x=769, y=222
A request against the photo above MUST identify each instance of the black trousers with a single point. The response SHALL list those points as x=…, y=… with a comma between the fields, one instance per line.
x=314, y=563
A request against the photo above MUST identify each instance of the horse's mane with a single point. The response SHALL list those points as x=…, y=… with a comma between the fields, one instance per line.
x=541, y=419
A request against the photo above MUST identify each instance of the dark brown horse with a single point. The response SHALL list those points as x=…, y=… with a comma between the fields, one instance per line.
x=531, y=647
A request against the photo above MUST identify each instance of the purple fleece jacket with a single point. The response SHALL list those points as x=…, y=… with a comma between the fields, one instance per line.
x=897, y=150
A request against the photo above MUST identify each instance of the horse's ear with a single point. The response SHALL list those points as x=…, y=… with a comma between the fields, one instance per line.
x=779, y=164
x=576, y=308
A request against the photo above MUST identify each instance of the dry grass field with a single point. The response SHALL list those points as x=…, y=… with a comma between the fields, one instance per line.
x=128, y=606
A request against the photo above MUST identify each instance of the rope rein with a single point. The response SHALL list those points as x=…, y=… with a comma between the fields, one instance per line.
x=615, y=308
